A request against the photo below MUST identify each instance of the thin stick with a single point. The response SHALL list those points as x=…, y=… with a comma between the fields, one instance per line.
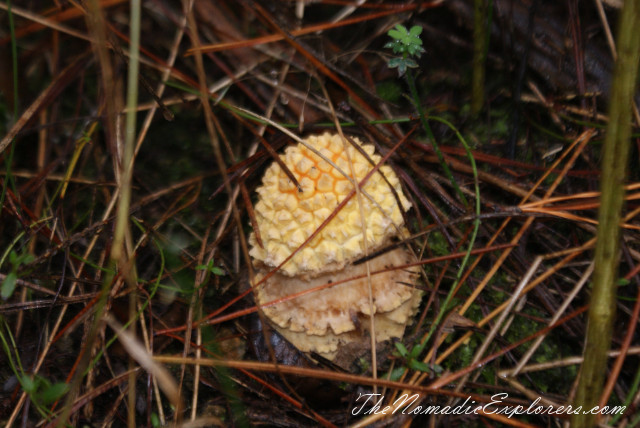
x=556, y=316
x=607, y=255
x=498, y=324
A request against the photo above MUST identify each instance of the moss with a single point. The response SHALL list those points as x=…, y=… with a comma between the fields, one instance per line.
x=389, y=90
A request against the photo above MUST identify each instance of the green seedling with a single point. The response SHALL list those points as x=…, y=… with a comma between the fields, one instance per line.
x=42, y=390
x=9, y=283
x=411, y=361
x=407, y=43
x=211, y=269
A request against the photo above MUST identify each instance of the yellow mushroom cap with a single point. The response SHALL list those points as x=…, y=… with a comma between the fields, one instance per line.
x=287, y=217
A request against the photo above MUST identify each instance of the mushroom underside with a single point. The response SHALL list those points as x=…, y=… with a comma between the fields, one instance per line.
x=329, y=344
x=334, y=308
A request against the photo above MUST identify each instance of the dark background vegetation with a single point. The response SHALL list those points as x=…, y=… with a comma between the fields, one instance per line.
x=548, y=70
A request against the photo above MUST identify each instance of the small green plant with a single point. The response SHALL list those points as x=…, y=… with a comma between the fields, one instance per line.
x=41, y=390
x=411, y=360
x=406, y=43
x=211, y=269
x=155, y=420
x=9, y=283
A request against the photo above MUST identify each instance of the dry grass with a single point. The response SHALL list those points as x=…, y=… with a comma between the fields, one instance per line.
x=145, y=317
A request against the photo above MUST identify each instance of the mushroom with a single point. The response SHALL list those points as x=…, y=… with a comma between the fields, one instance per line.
x=319, y=298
